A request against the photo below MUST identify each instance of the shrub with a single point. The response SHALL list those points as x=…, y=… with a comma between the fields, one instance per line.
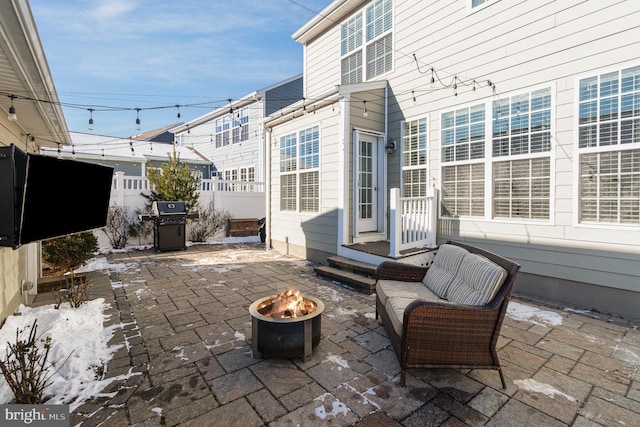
x=118, y=226
x=209, y=221
x=139, y=228
x=75, y=293
x=67, y=252
x=25, y=369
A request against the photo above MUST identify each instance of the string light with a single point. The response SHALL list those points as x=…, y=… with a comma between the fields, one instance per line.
x=230, y=106
x=178, y=107
x=12, y=110
x=365, y=112
x=90, y=118
x=133, y=152
x=137, y=119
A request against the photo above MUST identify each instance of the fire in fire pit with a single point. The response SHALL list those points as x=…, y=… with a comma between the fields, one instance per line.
x=289, y=304
x=286, y=325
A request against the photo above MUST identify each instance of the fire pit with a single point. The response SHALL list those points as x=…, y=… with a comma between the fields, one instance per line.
x=286, y=325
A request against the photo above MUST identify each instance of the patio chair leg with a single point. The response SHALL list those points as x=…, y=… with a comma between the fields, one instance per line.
x=403, y=377
x=504, y=384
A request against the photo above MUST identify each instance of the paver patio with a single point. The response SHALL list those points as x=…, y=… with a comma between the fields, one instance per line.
x=187, y=330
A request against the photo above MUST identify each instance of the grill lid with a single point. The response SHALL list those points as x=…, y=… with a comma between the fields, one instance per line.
x=168, y=208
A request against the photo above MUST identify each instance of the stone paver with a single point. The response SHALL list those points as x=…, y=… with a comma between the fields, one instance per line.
x=188, y=360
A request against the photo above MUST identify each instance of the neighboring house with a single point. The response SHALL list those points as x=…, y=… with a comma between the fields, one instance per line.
x=25, y=72
x=232, y=136
x=525, y=117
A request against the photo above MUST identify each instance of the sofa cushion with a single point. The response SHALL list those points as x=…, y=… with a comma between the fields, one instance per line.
x=477, y=282
x=444, y=268
x=396, y=288
x=395, y=307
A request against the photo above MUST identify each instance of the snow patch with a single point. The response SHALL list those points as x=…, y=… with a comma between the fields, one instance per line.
x=536, y=387
x=533, y=315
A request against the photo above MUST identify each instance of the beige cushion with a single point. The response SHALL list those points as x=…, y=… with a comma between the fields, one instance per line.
x=395, y=307
x=444, y=268
x=477, y=282
x=397, y=288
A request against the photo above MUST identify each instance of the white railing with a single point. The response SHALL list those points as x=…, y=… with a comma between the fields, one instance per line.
x=245, y=186
x=413, y=221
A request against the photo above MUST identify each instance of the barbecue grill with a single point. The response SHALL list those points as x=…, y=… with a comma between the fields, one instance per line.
x=170, y=223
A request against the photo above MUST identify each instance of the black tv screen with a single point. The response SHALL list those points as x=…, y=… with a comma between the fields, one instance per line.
x=62, y=197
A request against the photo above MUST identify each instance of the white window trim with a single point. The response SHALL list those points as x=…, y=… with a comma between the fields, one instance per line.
x=365, y=43
x=577, y=151
x=400, y=149
x=298, y=171
x=489, y=159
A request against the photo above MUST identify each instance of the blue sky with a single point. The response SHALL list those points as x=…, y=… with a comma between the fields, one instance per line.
x=129, y=54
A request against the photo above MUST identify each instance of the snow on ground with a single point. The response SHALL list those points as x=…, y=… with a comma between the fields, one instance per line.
x=537, y=387
x=79, y=341
x=78, y=348
x=527, y=313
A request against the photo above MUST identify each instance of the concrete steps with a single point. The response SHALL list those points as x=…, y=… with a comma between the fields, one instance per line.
x=354, y=274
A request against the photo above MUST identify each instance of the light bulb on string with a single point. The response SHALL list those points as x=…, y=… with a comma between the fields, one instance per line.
x=12, y=110
x=90, y=118
x=365, y=112
x=137, y=119
x=178, y=115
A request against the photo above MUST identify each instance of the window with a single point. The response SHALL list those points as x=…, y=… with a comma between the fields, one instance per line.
x=414, y=158
x=477, y=3
x=299, y=171
x=222, y=131
x=609, y=147
x=376, y=50
x=518, y=164
x=521, y=146
x=240, y=128
x=463, y=142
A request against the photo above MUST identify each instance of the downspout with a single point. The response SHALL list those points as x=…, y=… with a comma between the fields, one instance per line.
x=267, y=184
x=385, y=197
x=343, y=167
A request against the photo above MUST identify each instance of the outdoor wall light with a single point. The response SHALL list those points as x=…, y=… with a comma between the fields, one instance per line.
x=12, y=111
x=391, y=146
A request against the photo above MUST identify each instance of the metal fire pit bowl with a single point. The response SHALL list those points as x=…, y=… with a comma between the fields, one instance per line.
x=284, y=337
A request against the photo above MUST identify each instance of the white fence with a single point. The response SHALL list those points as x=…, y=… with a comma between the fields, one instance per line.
x=242, y=199
x=413, y=221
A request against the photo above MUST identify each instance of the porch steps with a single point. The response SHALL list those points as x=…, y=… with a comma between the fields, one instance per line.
x=355, y=274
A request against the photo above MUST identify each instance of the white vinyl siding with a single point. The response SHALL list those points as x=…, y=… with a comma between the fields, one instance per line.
x=608, y=142
x=414, y=158
x=299, y=171
x=377, y=49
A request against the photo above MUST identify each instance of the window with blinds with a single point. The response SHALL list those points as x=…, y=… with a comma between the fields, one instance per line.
x=376, y=50
x=517, y=162
x=609, y=147
x=299, y=171
x=462, y=138
x=414, y=158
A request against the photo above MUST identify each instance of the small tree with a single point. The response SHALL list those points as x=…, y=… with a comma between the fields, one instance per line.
x=209, y=221
x=174, y=181
x=64, y=253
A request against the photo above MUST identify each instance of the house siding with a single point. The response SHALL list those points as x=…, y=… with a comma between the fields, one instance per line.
x=307, y=234
x=518, y=46
x=282, y=95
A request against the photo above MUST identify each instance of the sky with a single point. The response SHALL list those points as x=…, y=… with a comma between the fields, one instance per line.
x=79, y=338
x=128, y=54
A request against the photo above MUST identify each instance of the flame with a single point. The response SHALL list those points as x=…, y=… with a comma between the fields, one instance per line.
x=290, y=304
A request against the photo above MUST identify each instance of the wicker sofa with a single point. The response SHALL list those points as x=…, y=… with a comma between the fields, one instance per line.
x=447, y=315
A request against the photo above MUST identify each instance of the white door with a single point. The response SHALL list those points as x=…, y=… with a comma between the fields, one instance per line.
x=366, y=183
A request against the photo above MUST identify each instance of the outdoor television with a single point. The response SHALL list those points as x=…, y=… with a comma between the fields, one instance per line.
x=51, y=197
